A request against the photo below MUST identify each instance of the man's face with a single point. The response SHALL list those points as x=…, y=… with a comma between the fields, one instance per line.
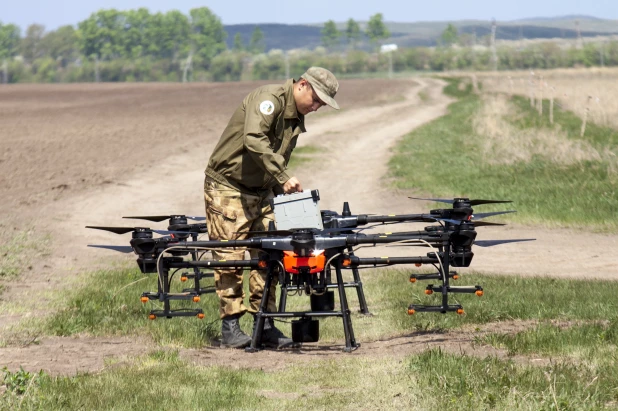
x=306, y=98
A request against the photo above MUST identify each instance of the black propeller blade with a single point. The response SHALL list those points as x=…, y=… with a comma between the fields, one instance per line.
x=124, y=230
x=158, y=218
x=490, y=243
x=472, y=202
x=480, y=216
x=485, y=223
x=122, y=248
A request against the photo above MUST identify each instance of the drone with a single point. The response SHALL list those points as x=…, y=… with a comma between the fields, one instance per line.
x=303, y=254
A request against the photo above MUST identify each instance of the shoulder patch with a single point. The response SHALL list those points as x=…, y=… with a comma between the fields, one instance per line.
x=267, y=107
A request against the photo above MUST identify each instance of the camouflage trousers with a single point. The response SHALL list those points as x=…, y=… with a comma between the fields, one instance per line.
x=230, y=214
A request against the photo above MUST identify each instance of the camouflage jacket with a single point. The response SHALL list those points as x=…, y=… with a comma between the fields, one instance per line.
x=255, y=147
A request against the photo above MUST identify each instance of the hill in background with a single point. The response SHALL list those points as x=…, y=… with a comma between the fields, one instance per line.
x=286, y=37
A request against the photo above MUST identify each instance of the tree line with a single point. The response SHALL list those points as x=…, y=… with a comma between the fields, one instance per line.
x=137, y=45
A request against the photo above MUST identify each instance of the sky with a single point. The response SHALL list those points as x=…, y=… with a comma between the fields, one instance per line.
x=55, y=13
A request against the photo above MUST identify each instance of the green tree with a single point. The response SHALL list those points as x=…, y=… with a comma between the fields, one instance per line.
x=61, y=44
x=136, y=27
x=101, y=34
x=207, y=35
x=376, y=29
x=238, y=44
x=9, y=40
x=31, y=46
x=352, y=33
x=171, y=31
x=449, y=35
x=256, y=45
x=330, y=34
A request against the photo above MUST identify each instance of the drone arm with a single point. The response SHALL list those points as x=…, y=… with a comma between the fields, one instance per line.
x=356, y=261
x=394, y=218
x=253, y=263
x=385, y=239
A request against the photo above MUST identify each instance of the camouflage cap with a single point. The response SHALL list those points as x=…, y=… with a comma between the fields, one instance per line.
x=324, y=83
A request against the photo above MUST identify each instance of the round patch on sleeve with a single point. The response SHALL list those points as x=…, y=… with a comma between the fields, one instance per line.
x=267, y=107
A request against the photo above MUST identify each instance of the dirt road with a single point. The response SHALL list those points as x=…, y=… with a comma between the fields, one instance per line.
x=354, y=149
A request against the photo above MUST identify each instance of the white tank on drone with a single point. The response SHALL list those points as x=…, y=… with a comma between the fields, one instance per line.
x=298, y=210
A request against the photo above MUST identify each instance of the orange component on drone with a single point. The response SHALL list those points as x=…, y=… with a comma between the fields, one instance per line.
x=293, y=263
x=184, y=278
x=412, y=279
x=428, y=292
x=460, y=311
x=200, y=316
x=196, y=298
x=144, y=299
x=479, y=293
x=152, y=317
x=411, y=311
x=346, y=262
x=263, y=264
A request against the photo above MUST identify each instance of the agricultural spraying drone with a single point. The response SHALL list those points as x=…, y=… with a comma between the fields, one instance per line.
x=303, y=251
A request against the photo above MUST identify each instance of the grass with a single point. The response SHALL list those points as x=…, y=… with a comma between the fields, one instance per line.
x=583, y=194
x=433, y=379
x=303, y=155
x=461, y=382
x=585, y=341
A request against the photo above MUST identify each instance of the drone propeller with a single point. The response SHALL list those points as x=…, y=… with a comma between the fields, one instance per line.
x=485, y=223
x=158, y=218
x=490, y=243
x=472, y=202
x=480, y=216
x=122, y=248
x=124, y=230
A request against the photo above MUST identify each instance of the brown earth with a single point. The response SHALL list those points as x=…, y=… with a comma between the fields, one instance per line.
x=75, y=155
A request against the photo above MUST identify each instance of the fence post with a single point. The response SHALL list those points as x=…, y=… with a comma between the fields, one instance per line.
x=551, y=106
x=540, y=101
x=583, y=131
x=531, y=88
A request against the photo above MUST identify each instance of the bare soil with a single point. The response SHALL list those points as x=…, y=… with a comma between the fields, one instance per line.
x=77, y=155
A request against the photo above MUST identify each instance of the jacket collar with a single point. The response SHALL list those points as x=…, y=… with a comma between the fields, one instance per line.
x=290, y=111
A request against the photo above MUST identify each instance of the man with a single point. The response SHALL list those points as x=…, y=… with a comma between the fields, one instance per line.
x=248, y=163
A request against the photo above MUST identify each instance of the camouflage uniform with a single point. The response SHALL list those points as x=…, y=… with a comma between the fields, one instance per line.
x=249, y=161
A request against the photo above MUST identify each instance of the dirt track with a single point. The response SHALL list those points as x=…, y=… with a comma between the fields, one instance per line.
x=146, y=152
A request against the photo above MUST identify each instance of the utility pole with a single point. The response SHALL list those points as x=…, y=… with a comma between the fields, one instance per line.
x=580, y=41
x=494, y=57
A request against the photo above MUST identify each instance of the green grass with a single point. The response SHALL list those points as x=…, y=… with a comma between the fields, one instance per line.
x=302, y=155
x=585, y=341
x=444, y=158
x=433, y=379
x=461, y=382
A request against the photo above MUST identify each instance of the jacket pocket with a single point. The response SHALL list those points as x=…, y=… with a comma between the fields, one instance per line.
x=230, y=215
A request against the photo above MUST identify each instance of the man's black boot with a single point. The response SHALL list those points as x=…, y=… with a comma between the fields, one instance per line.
x=273, y=337
x=231, y=334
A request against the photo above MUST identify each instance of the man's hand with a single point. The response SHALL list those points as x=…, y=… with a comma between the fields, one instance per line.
x=292, y=186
